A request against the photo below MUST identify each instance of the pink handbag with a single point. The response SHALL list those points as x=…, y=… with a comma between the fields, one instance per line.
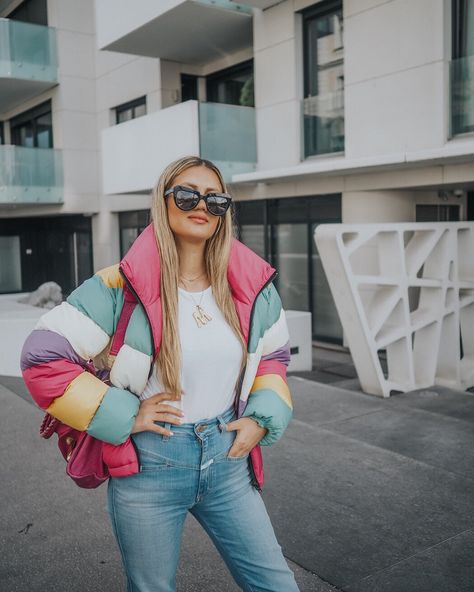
x=83, y=452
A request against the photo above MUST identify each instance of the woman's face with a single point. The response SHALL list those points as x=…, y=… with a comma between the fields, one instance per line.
x=185, y=224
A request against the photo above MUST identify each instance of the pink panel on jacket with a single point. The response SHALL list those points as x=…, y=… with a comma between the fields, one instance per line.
x=121, y=459
x=48, y=381
x=247, y=273
x=257, y=463
x=272, y=367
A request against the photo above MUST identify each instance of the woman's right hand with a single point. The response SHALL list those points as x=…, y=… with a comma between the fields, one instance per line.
x=151, y=410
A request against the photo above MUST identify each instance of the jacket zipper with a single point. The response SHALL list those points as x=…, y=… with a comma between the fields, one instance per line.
x=130, y=287
x=272, y=277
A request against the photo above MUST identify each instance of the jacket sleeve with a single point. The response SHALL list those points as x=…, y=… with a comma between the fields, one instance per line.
x=270, y=403
x=57, y=353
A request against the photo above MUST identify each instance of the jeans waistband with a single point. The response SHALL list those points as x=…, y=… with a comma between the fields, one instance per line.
x=218, y=420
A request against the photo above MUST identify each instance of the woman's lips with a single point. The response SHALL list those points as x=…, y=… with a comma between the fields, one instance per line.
x=198, y=220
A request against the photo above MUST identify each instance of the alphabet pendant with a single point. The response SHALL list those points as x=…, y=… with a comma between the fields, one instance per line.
x=201, y=316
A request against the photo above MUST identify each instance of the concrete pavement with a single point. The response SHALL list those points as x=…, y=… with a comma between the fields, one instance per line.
x=365, y=494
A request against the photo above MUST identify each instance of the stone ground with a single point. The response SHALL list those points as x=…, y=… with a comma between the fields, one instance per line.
x=365, y=494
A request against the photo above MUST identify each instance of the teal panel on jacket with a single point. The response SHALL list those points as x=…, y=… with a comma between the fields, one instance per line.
x=94, y=299
x=115, y=417
x=138, y=333
x=119, y=295
x=270, y=412
x=266, y=312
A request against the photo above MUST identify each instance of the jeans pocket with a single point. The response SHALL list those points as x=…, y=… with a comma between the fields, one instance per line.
x=237, y=457
x=151, y=462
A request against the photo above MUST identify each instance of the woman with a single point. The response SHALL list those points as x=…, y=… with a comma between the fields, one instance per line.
x=197, y=386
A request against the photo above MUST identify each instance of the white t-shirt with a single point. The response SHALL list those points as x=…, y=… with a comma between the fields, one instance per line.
x=211, y=357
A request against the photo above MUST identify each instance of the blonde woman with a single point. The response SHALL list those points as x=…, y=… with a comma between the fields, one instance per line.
x=197, y=386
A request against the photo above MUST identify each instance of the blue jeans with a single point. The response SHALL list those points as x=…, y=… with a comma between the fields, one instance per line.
x=190, y=471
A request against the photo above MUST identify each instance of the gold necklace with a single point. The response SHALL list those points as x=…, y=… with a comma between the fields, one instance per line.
x=200, y=315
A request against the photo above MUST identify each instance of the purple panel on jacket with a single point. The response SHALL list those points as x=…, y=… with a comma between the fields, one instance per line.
x=280, y=355
x=43, y=346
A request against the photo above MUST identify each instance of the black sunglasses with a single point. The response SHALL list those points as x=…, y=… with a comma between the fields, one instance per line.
x=187, y=199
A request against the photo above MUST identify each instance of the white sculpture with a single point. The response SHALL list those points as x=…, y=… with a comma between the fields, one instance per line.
x=407, y=289
x=47, y=295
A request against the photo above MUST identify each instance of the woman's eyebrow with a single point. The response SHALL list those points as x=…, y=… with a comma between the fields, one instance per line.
x=196, y=187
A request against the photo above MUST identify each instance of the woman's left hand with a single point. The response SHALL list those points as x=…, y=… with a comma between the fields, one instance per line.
x=249, y=434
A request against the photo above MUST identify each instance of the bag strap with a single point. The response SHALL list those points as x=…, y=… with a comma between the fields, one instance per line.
x=129, y=303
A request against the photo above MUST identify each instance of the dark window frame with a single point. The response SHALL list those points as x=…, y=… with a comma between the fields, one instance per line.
x=458, y=17
x=222, y=75
x=186, y=79
x=129, y=105
x=310, y=210
x=143, y=219
x=309, y=14
x=25, y=14
x=31, y=116
x=439, y=207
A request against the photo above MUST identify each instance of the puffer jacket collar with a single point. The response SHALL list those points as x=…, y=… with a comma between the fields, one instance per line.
x=247, y=274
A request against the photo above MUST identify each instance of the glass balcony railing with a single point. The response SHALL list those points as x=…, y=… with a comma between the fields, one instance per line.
x=462, y=95
x=27, y=51
x=323, y=123
x=227, y=136
x=228, y=4
x=30, y=175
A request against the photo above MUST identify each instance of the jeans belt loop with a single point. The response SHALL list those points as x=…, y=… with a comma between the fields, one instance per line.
x=167, y=427
x=222, y=424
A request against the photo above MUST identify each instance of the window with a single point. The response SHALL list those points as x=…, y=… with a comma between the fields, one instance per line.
x=130, y=110
x=233, y=86
x=2, y=133
x=281, y=231
x=39, y=249
x=323, y=63
x=437, y=213
x=189, y=89
x=462, y=67
x=131, y=225
x=31, y=11
x=33, y=128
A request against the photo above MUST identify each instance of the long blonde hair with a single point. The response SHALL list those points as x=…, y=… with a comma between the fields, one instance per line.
x=216, y=256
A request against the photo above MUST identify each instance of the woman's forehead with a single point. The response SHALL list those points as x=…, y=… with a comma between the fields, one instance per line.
x=199, y=177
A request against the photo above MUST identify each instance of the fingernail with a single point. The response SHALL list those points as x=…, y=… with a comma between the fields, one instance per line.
x=171, y=433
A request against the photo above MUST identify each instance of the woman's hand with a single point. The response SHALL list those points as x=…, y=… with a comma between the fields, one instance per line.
x=151, y=410
x=249, y=434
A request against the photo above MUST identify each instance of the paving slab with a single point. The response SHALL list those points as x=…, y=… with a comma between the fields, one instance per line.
x=317, y=403
x=439, y=400
x=446, y=567
x=438, y=440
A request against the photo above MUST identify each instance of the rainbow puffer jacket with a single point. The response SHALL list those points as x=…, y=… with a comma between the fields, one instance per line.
x=68, y=368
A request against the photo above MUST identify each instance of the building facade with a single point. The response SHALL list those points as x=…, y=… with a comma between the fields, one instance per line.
x=316, y=111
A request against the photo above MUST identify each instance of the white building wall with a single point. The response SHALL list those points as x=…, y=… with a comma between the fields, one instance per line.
x=395, y=75
x=277, y=67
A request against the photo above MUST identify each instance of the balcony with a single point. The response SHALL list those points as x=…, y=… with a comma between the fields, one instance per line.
x=262, y=4
x=30, y=176
x=462, y=95
x=323, y=124
x=135, y=152
x=28, y=61
x=189, y=31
